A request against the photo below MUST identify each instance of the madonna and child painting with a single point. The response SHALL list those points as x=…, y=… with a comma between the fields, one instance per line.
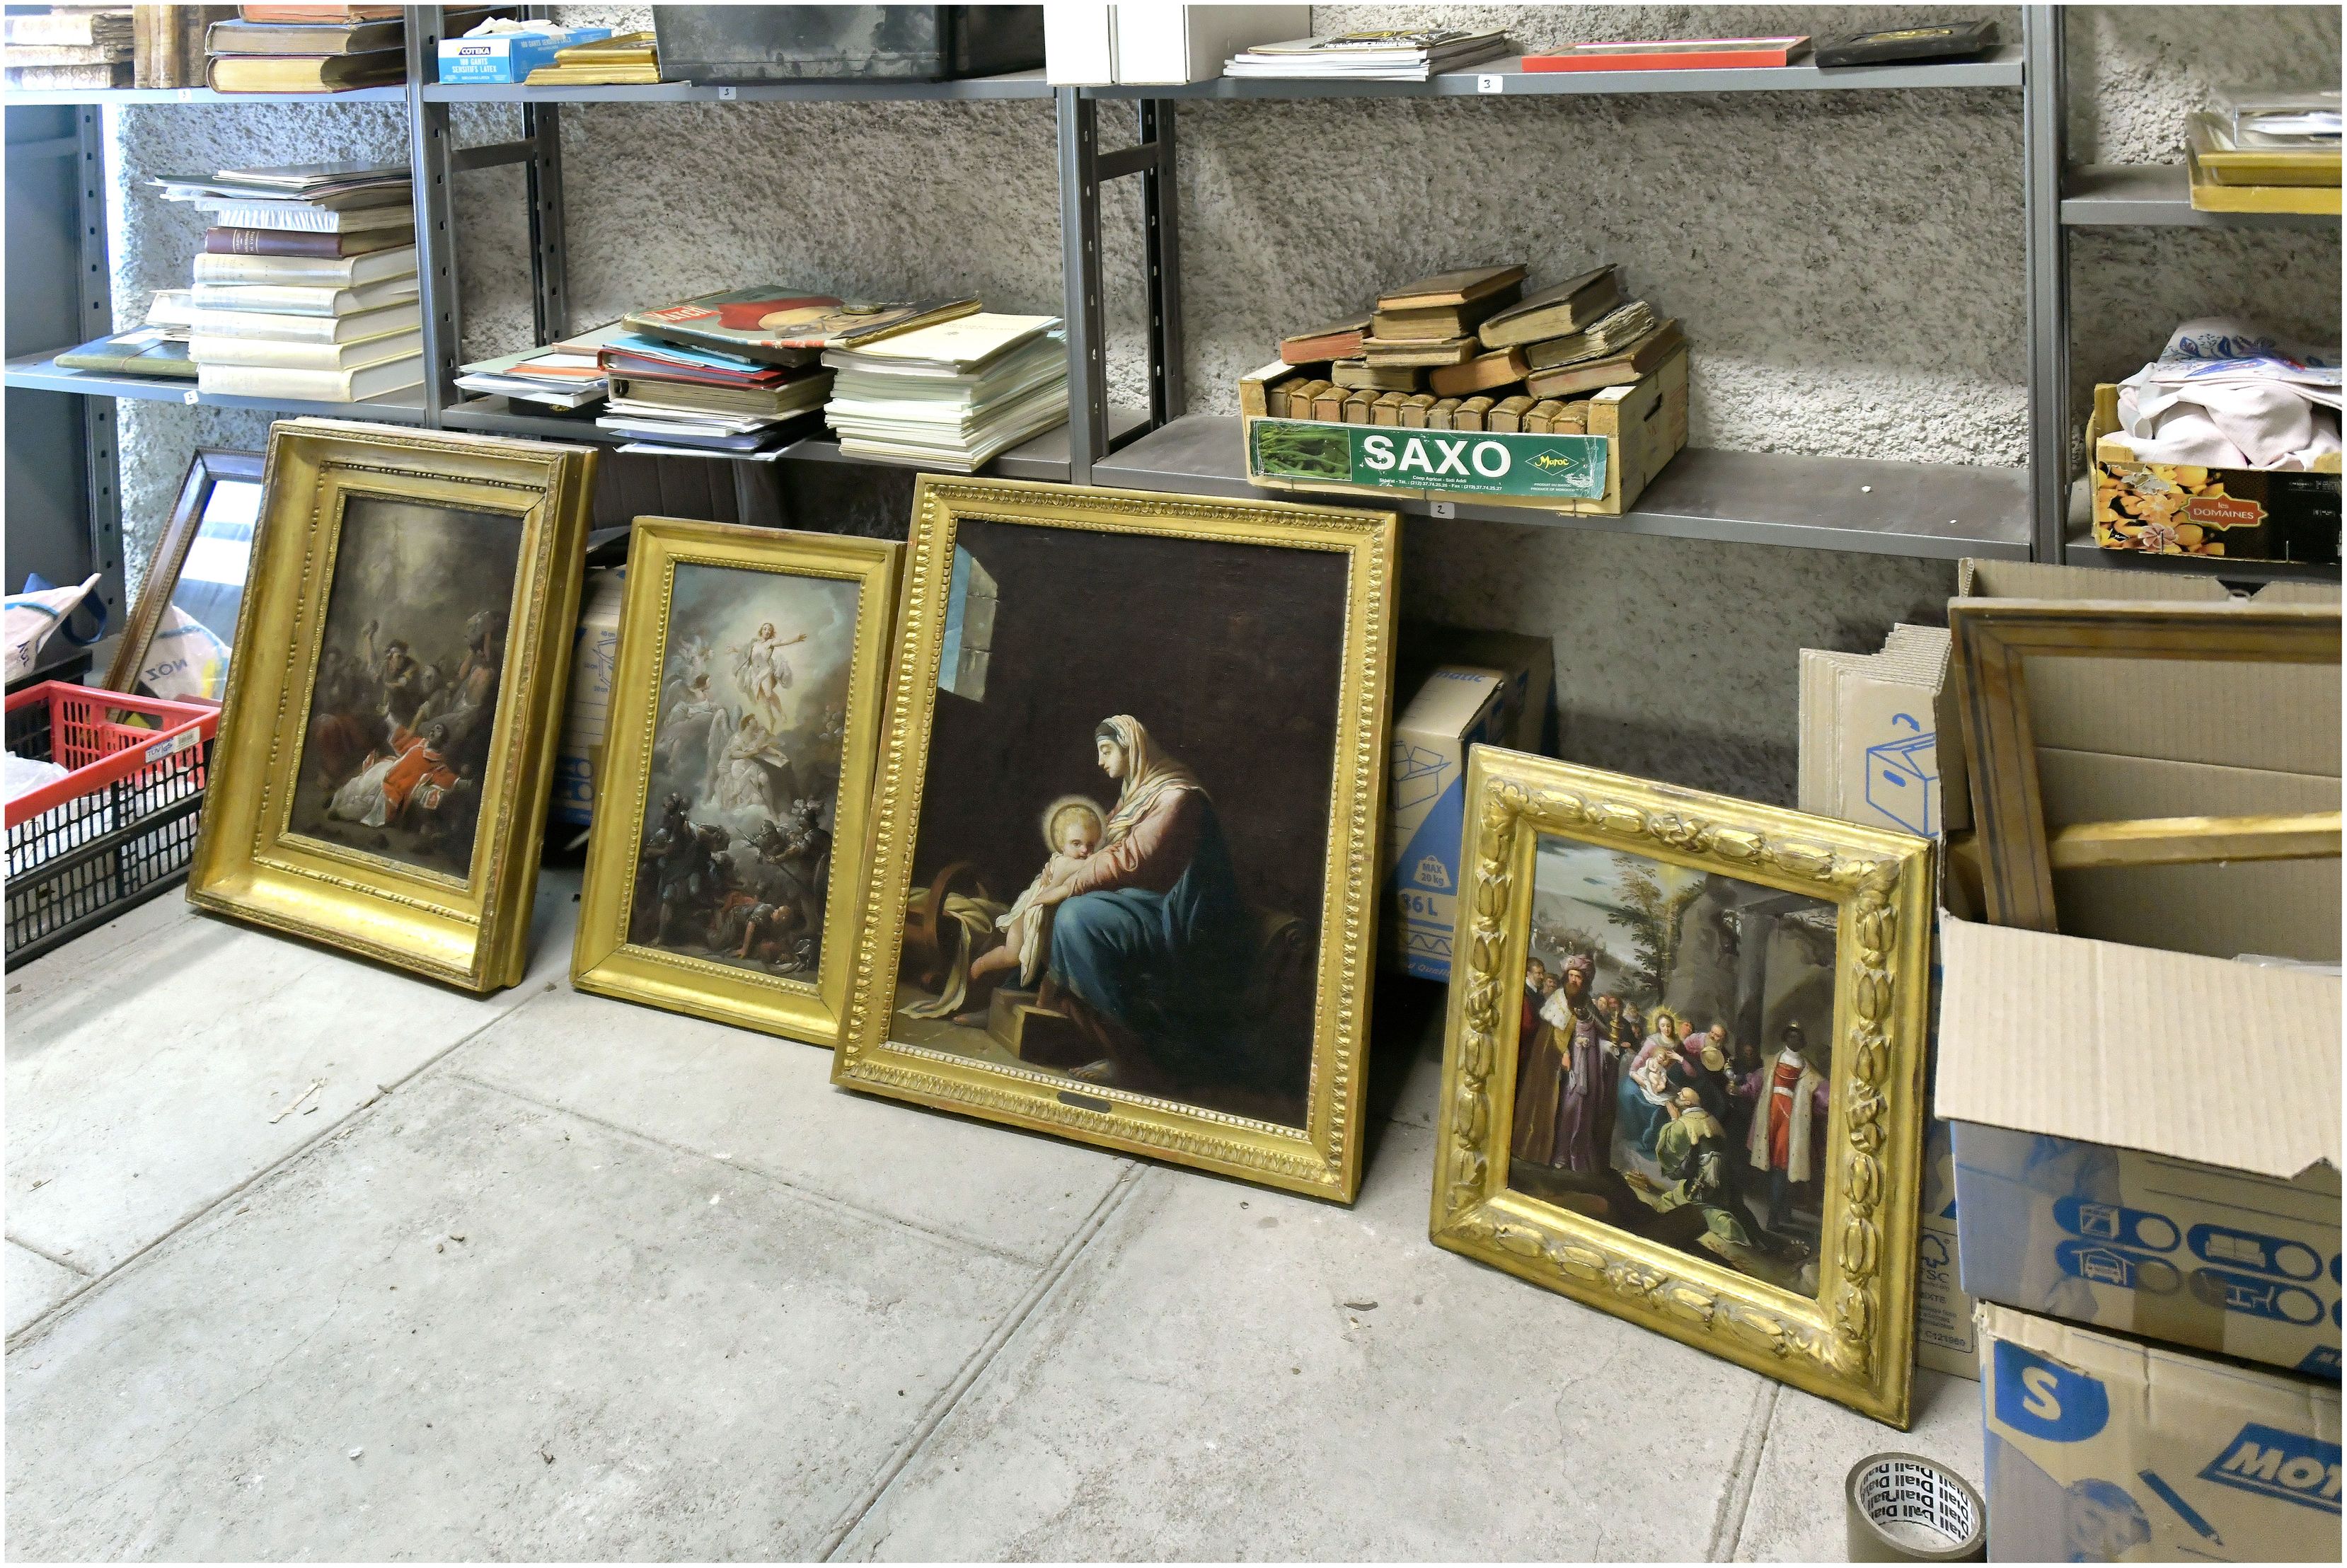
x=1122, y=852
x=1673, y=1057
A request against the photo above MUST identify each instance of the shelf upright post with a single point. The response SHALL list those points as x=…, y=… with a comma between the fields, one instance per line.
x=542, y=128
x=2043, y=93
x=431, y=162
x=1160, y=220
x=100, y=454
x=1079, y=119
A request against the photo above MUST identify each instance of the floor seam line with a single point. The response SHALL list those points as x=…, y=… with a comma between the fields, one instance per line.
x=40, y=1325
x=813, y=1193
x=984, y=1357
x=1747, y=1476
x=67, y=1264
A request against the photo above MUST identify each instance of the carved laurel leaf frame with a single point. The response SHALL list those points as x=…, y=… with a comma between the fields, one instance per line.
x=1323, y=1156
x=1854, y=1343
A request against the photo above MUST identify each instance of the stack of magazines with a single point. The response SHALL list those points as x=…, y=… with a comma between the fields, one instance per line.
x=566, y=375
x=1407, y=54
x=307, y=288
x=950, y=396
x=735, y=375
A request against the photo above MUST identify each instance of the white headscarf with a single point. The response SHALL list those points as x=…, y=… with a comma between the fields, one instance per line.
x=1149, y=773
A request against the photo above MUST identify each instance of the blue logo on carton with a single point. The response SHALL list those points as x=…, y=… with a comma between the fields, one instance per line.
x=2042, y=1398
x=2260, y=1254
x=2274, y=1463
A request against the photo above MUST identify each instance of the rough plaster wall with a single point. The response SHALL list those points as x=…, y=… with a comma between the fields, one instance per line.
x=1847, y=264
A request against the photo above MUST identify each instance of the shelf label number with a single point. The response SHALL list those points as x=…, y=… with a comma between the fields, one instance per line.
x=187, y=95
x=727, y=95
x=1488, y=84
x=188, y=397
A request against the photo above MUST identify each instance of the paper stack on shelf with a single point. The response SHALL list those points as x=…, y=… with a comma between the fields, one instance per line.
x=951, y=395
x=288, y=312
x=565, y=376
x=629, y=59
x=68, y=46
x=683, y=398
x=159, y=348
x=1404, y=56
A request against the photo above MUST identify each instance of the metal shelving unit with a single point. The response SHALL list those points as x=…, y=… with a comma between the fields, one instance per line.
x=2158, y=195
x=1927, y=510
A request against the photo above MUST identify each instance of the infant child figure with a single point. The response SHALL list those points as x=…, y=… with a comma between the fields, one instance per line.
x=1072, y=829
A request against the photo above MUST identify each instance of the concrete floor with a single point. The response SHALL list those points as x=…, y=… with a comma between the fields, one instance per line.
x=543, y=1275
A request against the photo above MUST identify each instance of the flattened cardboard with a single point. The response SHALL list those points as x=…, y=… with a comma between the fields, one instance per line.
x=2100, y=1450
x=2171, y=1053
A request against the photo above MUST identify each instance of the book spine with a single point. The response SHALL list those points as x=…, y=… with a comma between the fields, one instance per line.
x=268, y=298
x=272, y=243
x=265, y=353
x=151, y=33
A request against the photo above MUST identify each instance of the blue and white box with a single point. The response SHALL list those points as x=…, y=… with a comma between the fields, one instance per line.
x=506, y=58
x=1426, y=798
x=2101, y=1450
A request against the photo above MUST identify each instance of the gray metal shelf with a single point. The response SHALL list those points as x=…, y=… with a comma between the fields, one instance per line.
x=40, y=373
x=2158, y=195
x=1018, y=84
x=1506, y=77
x=1940, y=511
x=136, y=96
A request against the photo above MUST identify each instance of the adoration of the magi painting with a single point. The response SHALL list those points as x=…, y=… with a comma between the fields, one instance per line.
x=1674, y=1057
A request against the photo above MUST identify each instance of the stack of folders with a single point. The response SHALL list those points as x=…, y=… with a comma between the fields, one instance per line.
x=157, y=348
x=66, y=47
x=565, y=376
x=678, y=398
x=307, y=287
x=951, y=395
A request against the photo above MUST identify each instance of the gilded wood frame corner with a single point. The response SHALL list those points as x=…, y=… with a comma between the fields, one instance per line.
x=472, y=932
x=1321, y=1158
x=1853, y=1343
x=602, y=959
x=1993, y=638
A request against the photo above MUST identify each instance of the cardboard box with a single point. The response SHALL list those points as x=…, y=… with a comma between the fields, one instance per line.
x=2099, y=1450
x=506, y=57
x=1078, y=45
x=2240, y=514
x=1450, y=711
x=1878, y=738
x=1177, y=45
x=1943, y=1313
x=1527, y=665
x=594, y=652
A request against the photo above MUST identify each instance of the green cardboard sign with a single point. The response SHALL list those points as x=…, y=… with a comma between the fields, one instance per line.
x=1386, y=457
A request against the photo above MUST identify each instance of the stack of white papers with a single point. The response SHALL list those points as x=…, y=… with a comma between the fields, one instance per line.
x=1402, y=56
x=951, y=395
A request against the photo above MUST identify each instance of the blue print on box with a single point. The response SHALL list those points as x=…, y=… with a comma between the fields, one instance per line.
x=1902, y=778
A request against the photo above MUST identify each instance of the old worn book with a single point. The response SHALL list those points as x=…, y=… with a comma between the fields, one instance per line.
x=290, y=242
x=1566, y=307
x=1623, y=369
x=1458, y=288
x=304, y=37
x=1507, y=415
x=72, y=24
x=1608, y=334
x=1444, y=351
x=1414, y=411
x=307, y=271
x=1440, y=320
x=1360, y=373
x=1484, y=373
x=1440, y=416
x=1469, y=415
x=1300, y=399
x=1386, y=410
x=1358, y=405
x=142, y=350
x=66, y=54
x=306, y=73
x=1331, y=340
x=792, y=396
x=168, y=43
x=1330, y=404
x=317, y=12
x=283, y=356
x=70, y=78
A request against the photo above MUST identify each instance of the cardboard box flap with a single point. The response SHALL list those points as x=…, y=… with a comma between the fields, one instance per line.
x=2198, y=1059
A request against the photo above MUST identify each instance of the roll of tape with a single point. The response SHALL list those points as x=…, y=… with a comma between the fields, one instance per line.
x=1904, y=1508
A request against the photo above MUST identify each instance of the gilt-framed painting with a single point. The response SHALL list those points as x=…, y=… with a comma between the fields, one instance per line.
x=1125, y=826
x=1683, y=1068
x=725, y=873
x=387, y=738
x=182, y=630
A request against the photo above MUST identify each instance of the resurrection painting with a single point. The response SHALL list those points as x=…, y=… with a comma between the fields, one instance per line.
x=734, y=854
x=1674, y=1053
x=410, y=669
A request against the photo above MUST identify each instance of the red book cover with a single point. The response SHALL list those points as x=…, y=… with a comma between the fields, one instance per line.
x=1689, y=55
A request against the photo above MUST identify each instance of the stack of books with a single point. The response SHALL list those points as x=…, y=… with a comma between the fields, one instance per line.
x=1470, y=350
x=68, y=46
x=951, y=395
x=307, y=286
x=158, y=349
x=734, y=374
x=565, y=376
x=1404, y=56
x=167, y=44
x=315, y=48
x=629, y=59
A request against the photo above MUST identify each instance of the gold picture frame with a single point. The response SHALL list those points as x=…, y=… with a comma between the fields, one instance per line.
x=714, y=974
x=1852, y=1339
x=1236, y=547
x=454, y=736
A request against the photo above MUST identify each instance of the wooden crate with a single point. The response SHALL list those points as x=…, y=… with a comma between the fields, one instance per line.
x=1637, y=429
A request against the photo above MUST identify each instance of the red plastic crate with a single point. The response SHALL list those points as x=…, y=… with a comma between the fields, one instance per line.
x=119, y=827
